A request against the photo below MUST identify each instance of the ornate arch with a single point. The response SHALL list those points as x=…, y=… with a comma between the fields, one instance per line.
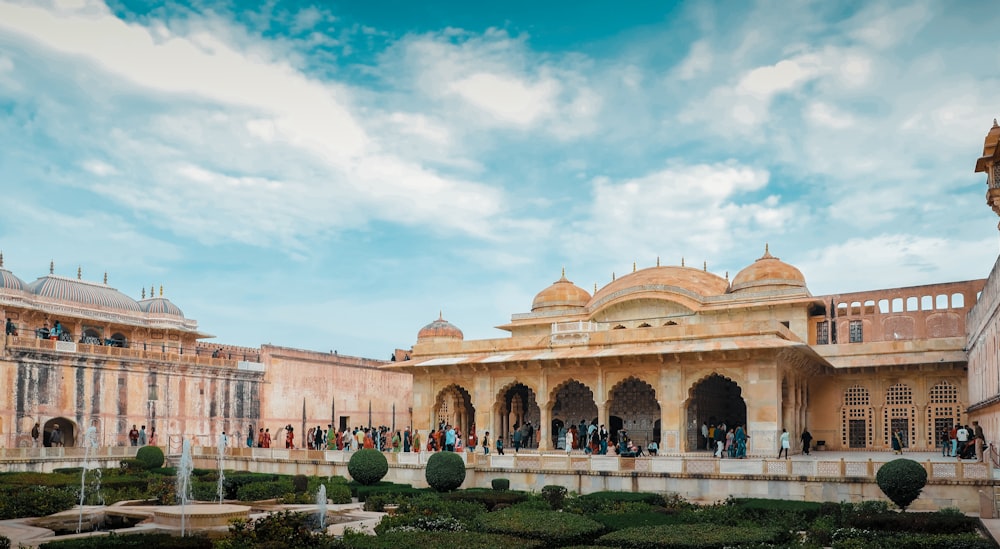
x=572, y=401
x=695, y=382
x=453, y=405
x=633, y=406
x=713, y=398
x=626, y=379
x=943, y=410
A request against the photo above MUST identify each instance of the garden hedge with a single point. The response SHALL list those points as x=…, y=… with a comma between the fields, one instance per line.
x=368, y=466
x=552, y=528
x=150, y=456
x=901, y=480
x=700, y=536
x=424, y=540
x=445, y=471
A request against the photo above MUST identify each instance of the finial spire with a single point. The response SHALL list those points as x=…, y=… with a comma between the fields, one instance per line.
x=704, y=266
x=105, y=278
x=79, y=272
x=995, y=123
x=152, y=293
x=682, y=261
x=564, y=272
x=633, y=266
x=1, y=260
x=767, y=248
x=612, y=276
x=440, y=314
x=595, y=287
x=727, y=276
x=657, y=261
x=161, y=290
x=144, y=292
x=52, y=267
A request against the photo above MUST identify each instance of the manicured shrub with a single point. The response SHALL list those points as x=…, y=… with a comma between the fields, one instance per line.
x=423, y=540
x=36, y=501
x=500, y=483
x=856, y=538
x=256, y=491
x=131, y=466
x=277, y=530
x=602, y=502
x=300, y=483
x=337, y=492
x=491, y=499
x=4, y=542
x=151, y=456
x=901, y=480
x=368, y=466
x=445, y=471
x=138, y=541
x=552, y=528
x=703, y=536
x=555, y=495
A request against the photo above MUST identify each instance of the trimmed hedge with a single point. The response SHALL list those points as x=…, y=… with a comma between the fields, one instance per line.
x=853, y=538
x=550, y=527
x=138, y=541
x=445, y=471
x=424, y=539
x=150, y=456
x=368, y=466
x=256, y=491
x=901, y=480
x=701, y=536
x=35, y=501
x=491, y=499
x=500, y=483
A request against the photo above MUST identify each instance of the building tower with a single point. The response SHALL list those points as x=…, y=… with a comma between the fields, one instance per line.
x=990, y=163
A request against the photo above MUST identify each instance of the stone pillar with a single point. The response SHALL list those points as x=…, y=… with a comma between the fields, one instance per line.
x=878, y=429
x=921, y=419
x=602, y=414
x=545, y=423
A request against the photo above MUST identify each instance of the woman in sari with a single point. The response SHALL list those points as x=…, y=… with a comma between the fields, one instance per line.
x=897, y=442
x=740, y=439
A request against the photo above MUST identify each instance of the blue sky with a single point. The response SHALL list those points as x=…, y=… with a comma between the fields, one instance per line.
x=332, y=175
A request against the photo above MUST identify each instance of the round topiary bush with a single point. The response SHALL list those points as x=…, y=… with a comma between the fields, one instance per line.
x=367, y=466
x=150, y=456
x=445, y=471
x=901, y=480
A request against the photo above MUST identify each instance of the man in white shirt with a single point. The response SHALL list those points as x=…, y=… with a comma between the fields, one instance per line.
x=963, y=439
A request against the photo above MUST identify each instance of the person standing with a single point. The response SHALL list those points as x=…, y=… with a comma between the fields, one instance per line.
x=806, y=441
x=704, y=434
x=897, y=441
x=500, y=445
x=486, y=443
x=953, y=438
x=784, y=444
x=142, y=436
x=977, y=431
x=945, y=442
x=35, y=431
x=962, y=440
x=569, y=439
x=55, y=439
x=133, y=436
x=517, y=440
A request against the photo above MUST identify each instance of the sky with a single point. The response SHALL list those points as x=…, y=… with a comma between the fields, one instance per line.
x=335, y=175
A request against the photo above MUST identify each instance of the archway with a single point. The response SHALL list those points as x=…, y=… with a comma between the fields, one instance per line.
x=67, y=432
x=573, y=402
x=517, y=408
x=713, y=400
x=454, y=407
x=633, y=402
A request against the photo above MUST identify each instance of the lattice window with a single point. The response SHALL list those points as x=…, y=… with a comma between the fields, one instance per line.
x=857, y=396
x=899, y=418
x=899, y=394
x=944, y=393
x=856, y=331
x=823, y=332
x=856, y=418
x=943, y=413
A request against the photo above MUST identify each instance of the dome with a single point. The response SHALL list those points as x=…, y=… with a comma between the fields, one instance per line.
x=768, y=273
x=562, y=294
x=696, y=283
x=440, y=329
x=160, y=306
x=8, y=281
x=85, y=293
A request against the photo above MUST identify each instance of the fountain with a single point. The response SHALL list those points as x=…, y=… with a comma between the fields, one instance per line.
x=321, y=506
x=184, y=479
x=89, y=444
x=222, y=477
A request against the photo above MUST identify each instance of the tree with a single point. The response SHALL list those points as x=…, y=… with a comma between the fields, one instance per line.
x=901, y=480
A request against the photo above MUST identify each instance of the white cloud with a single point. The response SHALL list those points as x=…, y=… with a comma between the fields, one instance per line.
x=682, y=207
x=894, y=261
x=509, y=99
x=240, y=144
x=698, y=61
x=824, y=114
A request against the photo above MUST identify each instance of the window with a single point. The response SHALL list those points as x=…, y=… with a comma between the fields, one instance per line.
x=856, y=328
x=823, y=332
